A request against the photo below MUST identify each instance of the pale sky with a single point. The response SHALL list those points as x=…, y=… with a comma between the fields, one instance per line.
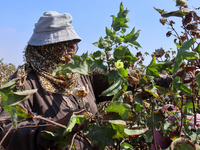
x=90, y=17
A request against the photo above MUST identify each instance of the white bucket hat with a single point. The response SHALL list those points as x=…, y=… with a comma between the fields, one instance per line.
x=53, y=27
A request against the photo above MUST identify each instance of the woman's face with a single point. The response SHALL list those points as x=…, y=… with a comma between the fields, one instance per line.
x=71, y=45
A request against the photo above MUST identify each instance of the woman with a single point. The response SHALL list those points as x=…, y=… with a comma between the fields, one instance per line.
x=53, y=42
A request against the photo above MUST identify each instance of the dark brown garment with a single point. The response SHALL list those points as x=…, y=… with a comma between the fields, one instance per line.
x=49, y=105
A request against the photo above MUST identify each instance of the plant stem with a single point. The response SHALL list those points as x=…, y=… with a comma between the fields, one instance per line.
x=118, y=145
x=194, y=107
x=175, y=32
x=5, y=119
x=181, y=115
x=50, y=121
x=73, y=140
x=107, y=58
x=6, y=135
x=152, y=115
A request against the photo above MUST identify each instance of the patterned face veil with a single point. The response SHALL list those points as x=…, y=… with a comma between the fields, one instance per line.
x=44, y=59
x=46, y=50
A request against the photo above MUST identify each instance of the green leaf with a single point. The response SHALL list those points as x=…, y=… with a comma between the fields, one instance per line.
x=166, y=124
x=97, y=55
x=134, y=44
x=113, y=89
x=119, y=52
x=126, y=146
x=197, y=49
x=128, y=57
x=118, y=39
x=160, y=66
x=193, y=136
x=160, y=11
x=148, y=136
x=182, y=144
x=14, y=98
x=177, y=44
x=154, y=68
x=120, y=21
x=4, y=99
x=174, y=13
x=163, y=21
x=119, y=131
x=153, y=90
x=188, y=109
x=110, y=33
x=61, y=144
x=153, y=72
x=197, y=77
x=98, y=64
x=6, y=88
x=123, y=72
x=117, y=96
x=122, y=109
x=161, y=90
x=125, y=84
x=188, y=55
x=180, y=2
x=102, y=43
x=73, y=120
x=178, y=84
x=84, y=55
x=22, y=113
x=95, y=44
x=138, y=98
x=143, y=80
x=135, y=132
x=99, y=136
x=80, y=118
x=12, y=112
x=175, y=67
x=121, y=9
x=119, y=122
x=49, y=135
x=186, y=45
x=78, y=65
x=113, y=75
x=70, y=125
x=132, y=36
x=123, y=30
x=122, y=12
x=138, y=107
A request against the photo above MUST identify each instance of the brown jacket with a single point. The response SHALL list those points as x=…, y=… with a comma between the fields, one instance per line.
x=28, y=135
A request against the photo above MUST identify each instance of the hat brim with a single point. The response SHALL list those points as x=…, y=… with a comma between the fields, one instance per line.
x=45, y=38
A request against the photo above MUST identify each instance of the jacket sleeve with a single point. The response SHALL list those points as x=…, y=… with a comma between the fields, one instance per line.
x=99, y=83
x=27, y=136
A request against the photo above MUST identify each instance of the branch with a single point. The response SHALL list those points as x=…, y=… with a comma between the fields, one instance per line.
x=181, y=114
x=50, y=121
x=73, y=140
x=152, y=115
x=6, y=135
x=194, y=107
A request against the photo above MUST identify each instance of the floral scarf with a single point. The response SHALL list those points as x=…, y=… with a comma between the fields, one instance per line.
x=43, y=59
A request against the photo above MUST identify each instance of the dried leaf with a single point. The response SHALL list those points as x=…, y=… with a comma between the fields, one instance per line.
x=163, y=21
